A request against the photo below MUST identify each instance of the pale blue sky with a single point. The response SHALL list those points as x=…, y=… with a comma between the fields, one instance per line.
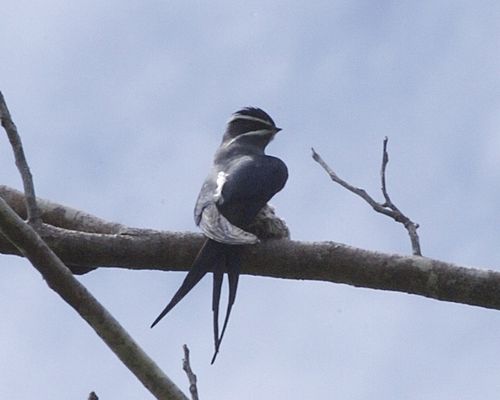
x=121, y=106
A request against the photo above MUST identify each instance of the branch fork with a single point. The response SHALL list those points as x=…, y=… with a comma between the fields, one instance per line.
x=28, y=242
x=387, y=207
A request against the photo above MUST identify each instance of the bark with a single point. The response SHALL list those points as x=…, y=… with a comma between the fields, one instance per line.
x=322, y=261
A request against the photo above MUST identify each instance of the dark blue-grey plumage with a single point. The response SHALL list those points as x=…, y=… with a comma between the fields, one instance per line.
x=243, y=179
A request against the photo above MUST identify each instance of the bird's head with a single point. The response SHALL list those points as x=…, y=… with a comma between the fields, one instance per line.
x=251, y=126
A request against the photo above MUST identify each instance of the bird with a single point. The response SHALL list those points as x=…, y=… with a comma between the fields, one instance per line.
x=232, y=205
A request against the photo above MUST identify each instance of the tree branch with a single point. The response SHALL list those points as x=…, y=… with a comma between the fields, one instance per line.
x=60, y=216
x=324, y=261
x=21, y=163
x=28, y=242
x=186, y=366
x=410, y=226
x=387, y=208
x=60, y=279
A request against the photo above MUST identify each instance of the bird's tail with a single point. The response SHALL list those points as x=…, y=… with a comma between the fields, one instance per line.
x=232, y=264
x=209, y=258
x=219, y=258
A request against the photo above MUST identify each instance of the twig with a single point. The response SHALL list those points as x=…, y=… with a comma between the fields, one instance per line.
x=387, y=208
x=186, y=366
x=60, y=279
x=410, y=226
x=385, y=161
x=21, y=163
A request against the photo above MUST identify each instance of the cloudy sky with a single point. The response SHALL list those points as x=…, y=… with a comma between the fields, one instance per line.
x=121, y=105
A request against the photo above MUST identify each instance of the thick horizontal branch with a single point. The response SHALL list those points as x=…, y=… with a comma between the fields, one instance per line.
x=324, y=261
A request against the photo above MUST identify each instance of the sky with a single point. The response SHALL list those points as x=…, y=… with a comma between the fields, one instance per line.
x=121, y=106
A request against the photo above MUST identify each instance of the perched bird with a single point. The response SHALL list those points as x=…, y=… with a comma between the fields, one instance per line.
x=233, y=200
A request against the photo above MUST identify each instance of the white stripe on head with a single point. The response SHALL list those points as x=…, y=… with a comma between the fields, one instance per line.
x=248, y=118
x=260, y=132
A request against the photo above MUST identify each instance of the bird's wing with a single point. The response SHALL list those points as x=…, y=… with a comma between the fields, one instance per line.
x=205, y=197
x=215, y=226
x=208, y=217
x=248, y=185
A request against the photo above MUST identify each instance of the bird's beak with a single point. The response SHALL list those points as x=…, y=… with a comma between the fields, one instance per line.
x=276, y=130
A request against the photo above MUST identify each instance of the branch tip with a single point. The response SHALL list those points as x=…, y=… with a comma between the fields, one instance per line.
x=387, y=207
x=186, y=366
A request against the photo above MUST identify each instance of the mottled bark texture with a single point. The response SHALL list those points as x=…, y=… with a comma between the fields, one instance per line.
x=323, y=261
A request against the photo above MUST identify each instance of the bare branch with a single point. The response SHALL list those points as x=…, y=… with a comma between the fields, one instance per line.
x=323, y=261
x=21, y=163
x=60, y=279
x=387, y=208
x=186, y=366
x=385, y=161
x=410, y=226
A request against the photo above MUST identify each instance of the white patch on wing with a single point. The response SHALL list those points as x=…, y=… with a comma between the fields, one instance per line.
x=221, y=179
x=215, y=226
